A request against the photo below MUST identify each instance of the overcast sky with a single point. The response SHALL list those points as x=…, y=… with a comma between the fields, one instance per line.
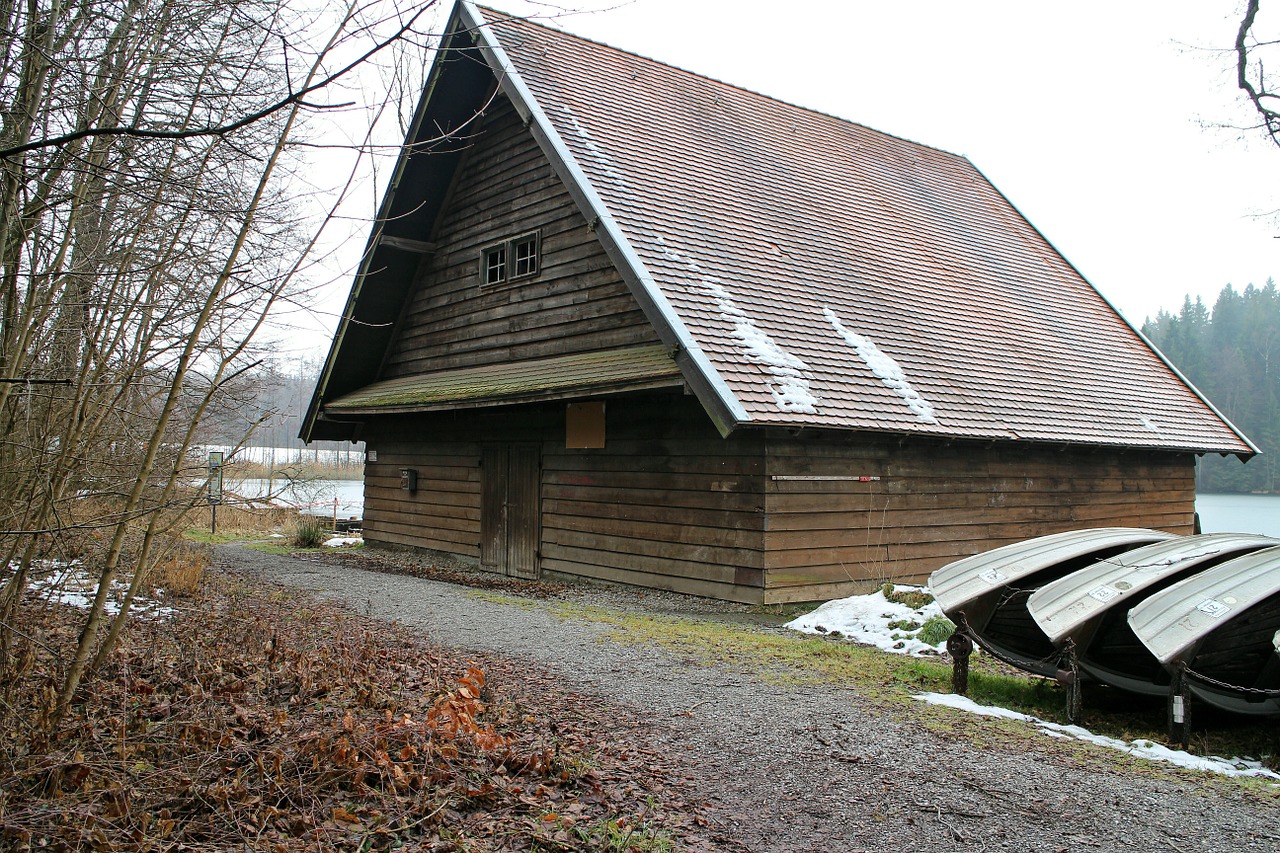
x=1105, y=123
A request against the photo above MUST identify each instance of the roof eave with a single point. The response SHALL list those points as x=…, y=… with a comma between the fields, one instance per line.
x=314, y=408
x=578, y=393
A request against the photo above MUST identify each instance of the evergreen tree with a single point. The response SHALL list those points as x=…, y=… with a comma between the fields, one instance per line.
x=1232, y=355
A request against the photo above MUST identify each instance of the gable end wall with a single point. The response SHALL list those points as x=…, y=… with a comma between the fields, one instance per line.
x=577, y=303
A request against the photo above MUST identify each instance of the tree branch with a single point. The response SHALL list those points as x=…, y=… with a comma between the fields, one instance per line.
x=1270, y=118
x=292, y=99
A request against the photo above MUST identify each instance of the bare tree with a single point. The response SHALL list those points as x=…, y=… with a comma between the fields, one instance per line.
x=148, y=226
x=1252, y=53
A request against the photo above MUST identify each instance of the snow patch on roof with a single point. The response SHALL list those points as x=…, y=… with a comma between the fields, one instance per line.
x=602, y=160
x=885, y=368
x=789, y=375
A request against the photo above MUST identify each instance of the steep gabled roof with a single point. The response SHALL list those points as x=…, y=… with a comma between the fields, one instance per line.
x=810, y=271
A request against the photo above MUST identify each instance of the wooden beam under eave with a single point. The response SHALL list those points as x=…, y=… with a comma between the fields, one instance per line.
x=421, y=247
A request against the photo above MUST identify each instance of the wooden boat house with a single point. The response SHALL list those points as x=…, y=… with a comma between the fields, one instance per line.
x=620, y=321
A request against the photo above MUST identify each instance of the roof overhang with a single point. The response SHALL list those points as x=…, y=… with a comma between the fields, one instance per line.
x=561, y=377
x=447, y=114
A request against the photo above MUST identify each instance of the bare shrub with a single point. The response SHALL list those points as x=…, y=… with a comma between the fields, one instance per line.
x=181, y=571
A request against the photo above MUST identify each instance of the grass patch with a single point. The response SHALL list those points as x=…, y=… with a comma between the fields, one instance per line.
x=235, y=523
x=285, y=547
x=204, y=537
x=935, y=630
x=913, y=598
x=180, y=572
x=781, y=658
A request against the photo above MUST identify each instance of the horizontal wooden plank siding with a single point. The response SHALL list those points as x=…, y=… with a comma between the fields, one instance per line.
x=758, y=517
x=921, y=505
x=667, y=503
x=443, y=514
x=576, y=303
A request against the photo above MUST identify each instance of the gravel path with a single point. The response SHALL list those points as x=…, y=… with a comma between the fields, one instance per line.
x=818, y=768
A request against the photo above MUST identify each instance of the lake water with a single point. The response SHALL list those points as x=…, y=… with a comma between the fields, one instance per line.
x=1239, y=514
x=313, y=497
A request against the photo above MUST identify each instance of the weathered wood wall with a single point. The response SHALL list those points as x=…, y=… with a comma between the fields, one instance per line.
x=667, y=504
x=577, y=303
x=935, y=503
x=444, y=513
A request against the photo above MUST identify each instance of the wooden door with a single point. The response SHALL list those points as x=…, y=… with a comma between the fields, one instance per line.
x=510, y=510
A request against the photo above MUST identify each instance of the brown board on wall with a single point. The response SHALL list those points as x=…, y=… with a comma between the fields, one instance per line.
x=493, y=507
x=584, y=426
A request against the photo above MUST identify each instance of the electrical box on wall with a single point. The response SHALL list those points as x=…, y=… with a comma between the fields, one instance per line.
x=584, y=426
x=409, y=479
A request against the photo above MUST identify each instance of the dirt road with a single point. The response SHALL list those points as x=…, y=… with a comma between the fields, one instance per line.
x=818, y=768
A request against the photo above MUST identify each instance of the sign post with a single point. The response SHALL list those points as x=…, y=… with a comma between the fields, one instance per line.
x=215, y=488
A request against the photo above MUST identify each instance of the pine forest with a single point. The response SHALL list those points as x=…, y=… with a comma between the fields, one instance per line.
x=1231, y=353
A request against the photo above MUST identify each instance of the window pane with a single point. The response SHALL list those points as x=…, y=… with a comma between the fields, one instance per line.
x=526, y=255
x=495, y=265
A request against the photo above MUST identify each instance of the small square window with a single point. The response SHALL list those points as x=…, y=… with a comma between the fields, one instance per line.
x=524, y=251
x=511, y=259
x=494, y=264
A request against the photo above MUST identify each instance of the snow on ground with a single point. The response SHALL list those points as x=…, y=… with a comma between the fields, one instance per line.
x=1141, y=748
x=71, y=584
x=868, y=619
x=874, y=620
x=339, y=541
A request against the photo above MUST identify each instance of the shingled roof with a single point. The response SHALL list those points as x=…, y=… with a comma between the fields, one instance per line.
x=813, y=272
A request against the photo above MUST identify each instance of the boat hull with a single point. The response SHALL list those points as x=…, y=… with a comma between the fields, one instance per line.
x=988, y=593
x=1221, y=627
x=1086, y=612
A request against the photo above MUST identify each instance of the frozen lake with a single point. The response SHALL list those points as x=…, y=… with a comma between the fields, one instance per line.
x=314, y=497
x=1239, y=514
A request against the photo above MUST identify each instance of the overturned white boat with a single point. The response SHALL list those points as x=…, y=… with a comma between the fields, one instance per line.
x=1220, y=628
x=1085, y=613
x=987, y=593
